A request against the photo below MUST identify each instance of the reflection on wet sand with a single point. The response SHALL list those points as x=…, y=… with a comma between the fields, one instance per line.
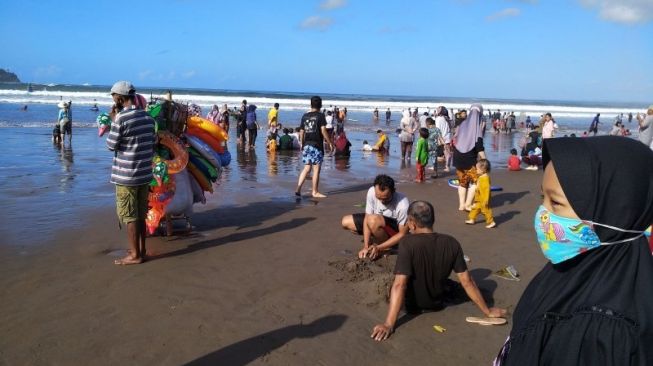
x=273, y=169
x=381, y=158
x=288, y=161
x=67, y=161
x=343, y=163
x=246, y=159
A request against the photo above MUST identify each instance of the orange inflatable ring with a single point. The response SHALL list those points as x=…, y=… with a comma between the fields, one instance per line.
x=178, y=150
x=206, y=138
x=200, y=178
x=214, y=130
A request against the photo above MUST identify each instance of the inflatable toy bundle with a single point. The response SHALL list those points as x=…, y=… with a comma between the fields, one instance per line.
x=169, y=116
x=207, y=153
x=193, y=150
x=189, y=157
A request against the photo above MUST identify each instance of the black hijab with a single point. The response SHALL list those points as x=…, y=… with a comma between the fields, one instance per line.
x=598, y=306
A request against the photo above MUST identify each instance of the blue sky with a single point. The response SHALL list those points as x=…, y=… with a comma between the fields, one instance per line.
x=591, y=50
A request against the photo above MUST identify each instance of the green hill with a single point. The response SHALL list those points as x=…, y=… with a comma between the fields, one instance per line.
x=8, y=77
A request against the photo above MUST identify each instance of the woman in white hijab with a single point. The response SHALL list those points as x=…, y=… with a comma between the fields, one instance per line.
x=408, y=125
x=467, y=149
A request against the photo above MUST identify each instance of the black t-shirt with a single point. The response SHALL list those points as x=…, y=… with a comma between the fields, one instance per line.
x=428, y=259
x=312, y=123
x=465, y=161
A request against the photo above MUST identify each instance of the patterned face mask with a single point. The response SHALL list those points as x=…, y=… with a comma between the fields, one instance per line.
x=562, y=238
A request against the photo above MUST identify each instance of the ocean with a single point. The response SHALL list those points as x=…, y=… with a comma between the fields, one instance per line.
x=45, y=188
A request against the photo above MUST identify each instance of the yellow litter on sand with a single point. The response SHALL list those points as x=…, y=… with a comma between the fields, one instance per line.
x=439, y=329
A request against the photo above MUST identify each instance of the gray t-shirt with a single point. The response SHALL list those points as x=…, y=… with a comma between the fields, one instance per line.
x=397, y=208
x=646, y=130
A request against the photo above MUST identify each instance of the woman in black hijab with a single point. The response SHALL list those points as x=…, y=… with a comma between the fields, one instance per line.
x=592, y=304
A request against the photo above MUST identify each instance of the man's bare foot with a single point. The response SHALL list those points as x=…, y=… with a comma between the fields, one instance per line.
x=318, y=195
x=128, y=260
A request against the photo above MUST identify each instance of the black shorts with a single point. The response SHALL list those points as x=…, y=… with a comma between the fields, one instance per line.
x=391, y=224
x=67, y=128
x=56, y=131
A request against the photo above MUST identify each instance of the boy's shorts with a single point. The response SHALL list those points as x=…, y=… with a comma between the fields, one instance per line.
x=311, y=155
x=131, y=202
x=391, y=225
x=56, y=131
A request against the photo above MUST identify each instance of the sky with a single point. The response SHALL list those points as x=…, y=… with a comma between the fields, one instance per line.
x=577, y=50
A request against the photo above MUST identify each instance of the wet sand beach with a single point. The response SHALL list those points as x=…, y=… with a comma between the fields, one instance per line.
x=260, y=280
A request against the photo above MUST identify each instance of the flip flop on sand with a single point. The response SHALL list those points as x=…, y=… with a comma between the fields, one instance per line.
x=486, y=321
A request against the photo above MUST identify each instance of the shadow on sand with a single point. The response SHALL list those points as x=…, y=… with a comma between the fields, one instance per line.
x=236, y=237
x=507, y=197
x=248, y=350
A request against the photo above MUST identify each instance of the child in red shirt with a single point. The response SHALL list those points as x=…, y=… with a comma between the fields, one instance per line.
x=514, y=163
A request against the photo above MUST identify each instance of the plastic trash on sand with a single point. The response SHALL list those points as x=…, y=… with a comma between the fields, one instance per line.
x=508, y=273
x=439, y=328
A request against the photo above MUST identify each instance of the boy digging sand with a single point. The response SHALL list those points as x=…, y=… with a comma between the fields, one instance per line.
x=482, y=196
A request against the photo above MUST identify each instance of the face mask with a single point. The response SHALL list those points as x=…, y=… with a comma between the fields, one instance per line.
x=562, y=238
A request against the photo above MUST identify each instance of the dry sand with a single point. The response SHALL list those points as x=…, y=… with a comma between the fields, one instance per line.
x=264, y=281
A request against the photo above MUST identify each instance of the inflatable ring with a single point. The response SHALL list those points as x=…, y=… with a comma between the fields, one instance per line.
x=225, y=158
x=455, y=183
x=198, y=192
x=204, y=166
x=207, y=138
x=200, y=178
x=178, y=150
x=205, y=150
x=214, y=130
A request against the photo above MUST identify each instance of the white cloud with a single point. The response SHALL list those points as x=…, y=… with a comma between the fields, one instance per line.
x=45, y=72
x=316, y=22
x=508, y=12
x=188, y=74
x=332, y=4
x=622, y=11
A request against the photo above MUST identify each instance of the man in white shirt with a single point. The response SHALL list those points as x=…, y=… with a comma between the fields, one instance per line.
x=384, y=222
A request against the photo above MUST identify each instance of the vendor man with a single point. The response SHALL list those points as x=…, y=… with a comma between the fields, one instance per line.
x=384, y=222
x=132, y=141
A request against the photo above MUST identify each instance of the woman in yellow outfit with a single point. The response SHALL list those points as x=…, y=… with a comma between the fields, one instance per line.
x=482, y=196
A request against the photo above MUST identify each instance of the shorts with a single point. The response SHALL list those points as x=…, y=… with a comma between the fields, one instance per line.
x=56, y=131
x=391, y=225
x=312, y=156
x=65, y=128
x=131, y=202
x=467, y=177
x=440, y=150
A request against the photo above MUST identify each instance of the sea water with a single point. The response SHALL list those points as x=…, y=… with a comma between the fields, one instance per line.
x=45, y=187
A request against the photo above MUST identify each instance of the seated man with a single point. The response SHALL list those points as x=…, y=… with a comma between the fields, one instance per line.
x=384, y=219
x=285, y=141
x=424, y=263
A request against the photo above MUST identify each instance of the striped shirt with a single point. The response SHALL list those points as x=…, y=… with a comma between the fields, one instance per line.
x=132, y=140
